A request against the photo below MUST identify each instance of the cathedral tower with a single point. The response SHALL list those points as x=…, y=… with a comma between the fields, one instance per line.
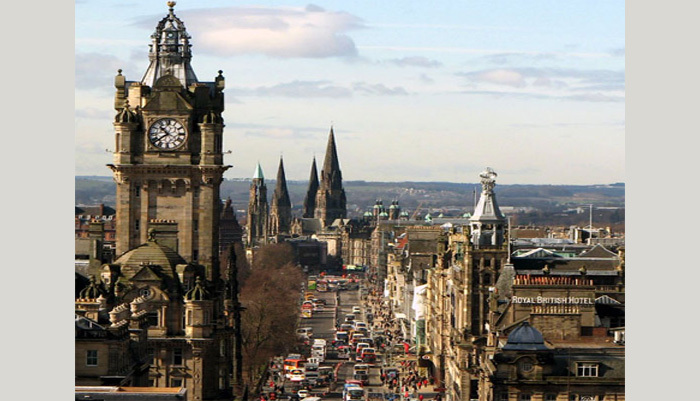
x=257, y=209
x=330, y=197
x=168, y=161
x=281, y=206
x=310, y=199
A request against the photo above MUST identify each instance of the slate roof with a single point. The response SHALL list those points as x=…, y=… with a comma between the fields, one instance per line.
x=525, y=338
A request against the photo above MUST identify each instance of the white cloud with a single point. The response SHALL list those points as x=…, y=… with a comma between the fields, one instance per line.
x=285, y=32
x=417, y=61
x=313, y=89
x=501, y=77
x=378, y=89
x=588, y=85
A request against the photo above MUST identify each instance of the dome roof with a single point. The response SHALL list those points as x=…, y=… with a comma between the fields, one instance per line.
x=92, y=291
x=198, y=293
x=525, y=338
x=151, y=253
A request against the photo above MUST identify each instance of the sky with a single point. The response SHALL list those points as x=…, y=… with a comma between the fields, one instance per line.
x=414, y=90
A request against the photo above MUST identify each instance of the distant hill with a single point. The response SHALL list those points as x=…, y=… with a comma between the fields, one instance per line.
x=545, y=201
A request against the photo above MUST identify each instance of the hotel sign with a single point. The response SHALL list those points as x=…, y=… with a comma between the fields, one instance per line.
x=540, y=300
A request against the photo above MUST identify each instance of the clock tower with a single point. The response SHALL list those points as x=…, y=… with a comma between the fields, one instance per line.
x=168, y=160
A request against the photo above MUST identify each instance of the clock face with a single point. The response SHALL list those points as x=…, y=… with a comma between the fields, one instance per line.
x=167, y=133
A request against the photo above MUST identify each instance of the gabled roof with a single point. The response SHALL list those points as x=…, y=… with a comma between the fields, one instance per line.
x=598, y=251
x=539, y=253
x=606, y=300
x=146, y=274
x=84, y=323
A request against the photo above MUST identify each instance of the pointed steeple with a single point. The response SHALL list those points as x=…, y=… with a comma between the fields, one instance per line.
x=281, y=207
x=330, y=197
x=310, y=199
x=281, y=195
x=258, y=172
x=331, y=166
x=257, y=209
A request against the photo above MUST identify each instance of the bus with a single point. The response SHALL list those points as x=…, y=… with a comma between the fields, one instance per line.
x=293, y=362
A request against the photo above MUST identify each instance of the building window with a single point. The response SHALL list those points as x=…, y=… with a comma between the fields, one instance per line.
x=195, y=225
x=137, y=191
x=526, y=365
x=137, y=224
x=177, y=357
x=524, y=397
x=195, y=254
x=550, y=397
x=587, y=369
x=151, y=356
x=152, y=319
x=503, y=397
x=91, y=357
x=175, y=382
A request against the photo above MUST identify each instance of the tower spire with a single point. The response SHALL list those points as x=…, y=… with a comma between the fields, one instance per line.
x=488, y=223
x=281, y=195
x=170, y=51
x=330, y=197
x=310, y=199
x=281, y=207
x=331, y=166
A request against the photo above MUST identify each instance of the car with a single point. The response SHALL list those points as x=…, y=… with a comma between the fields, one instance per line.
x=305, y=333
x=296, y=375
x=358, y=350
x=325, y=373
x=312, y=378
x=353, y=390
x=360, y=368
x=303, y=393
x=341, y=335
x=368, y=355
x=354, y=393
x=346, y=327
x=349, y=317
x=356, y=310
x=359, y=325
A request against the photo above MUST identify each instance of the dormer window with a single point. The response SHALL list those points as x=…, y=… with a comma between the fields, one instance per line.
x=587, y=369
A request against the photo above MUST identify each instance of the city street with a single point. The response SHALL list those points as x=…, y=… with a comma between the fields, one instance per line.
x=323, y=324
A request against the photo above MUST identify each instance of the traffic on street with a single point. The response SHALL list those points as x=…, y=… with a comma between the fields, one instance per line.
x=349, y=349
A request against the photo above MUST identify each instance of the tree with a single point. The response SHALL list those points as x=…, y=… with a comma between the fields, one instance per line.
x=271, y=298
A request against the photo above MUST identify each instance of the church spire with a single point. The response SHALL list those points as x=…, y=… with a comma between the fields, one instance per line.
x=281, y=207
x=331, y=166
x=310, y=199
x=257, y=209
x=170, y=52
x=281, y=195
x=330, y=197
